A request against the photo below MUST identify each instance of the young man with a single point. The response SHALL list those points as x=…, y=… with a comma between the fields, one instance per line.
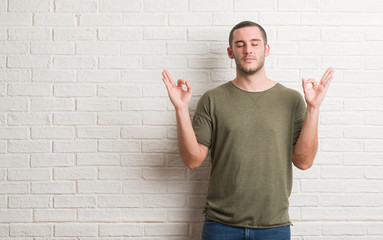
x=255, y=129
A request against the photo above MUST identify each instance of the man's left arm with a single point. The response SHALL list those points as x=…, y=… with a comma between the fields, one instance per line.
x=306, y=147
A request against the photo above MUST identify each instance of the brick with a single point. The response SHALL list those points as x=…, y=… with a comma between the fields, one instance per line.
x=343, y=35
x=164, y=173
x=11, y=104
x=128, y=118
x=141, y=76
x=64, y=90
x=304, y=200
x=341, y=173
x=189, y=49
x=141, y=48
x=363, y=104
x=98, y=105
x=29, y=89
x=144, y=104
x=154, y=90
x=121, y=229
x=146, y=19
x=120, y=6
x=29, y=6
x=4, y=230
x=72, y=34
x=31, y=230
x=98, y=132
x=341, y=145
x=362, y=159
x=298, y=63
x=344, y=118
x=56, y=187
x=52, y=48
x=14, y=75
x=96, y=48
x=328, y=49
x=76, y=230
x=351, y=200
x=119, y=62
x=189, y=19
x=14, y=161
x=363, y=132
x=3, y=34
x=164, y=201
x=15, y=19
x=322, y=186
x=143, y=132
x=118, y=91
x=24, y=146
x=142, y=159
x=165, y=118
x=374, y=229
x=56, y=19
x=13, y=215
x=367, y=76
x=374, y=34
x=292, y=33
x=164, y=62
x=119, y=173
x=350, y=213
x=373, y=145
x=74, y=146
x=77, y=173
x=122, y=34
x=52, y=160
x=255, y=5
x=323, y=19
x=211, y=6
x=28, y=61
x=14, y=188
x=14, y=133
x=180, y=215
x=29, y=174
x=28, y=34
x=168, y=229
x=75, y=5
x=330, y=132
x=119, y=146
x=136, y=187
x=74, y=118
x=143, y=215
x=373, y=63
x=208, y=34
x=120, y=201
x=29, y=202
x=13, y=48
x=100, y=19
x=341, y=6
x=100, y=76
x=231, y=19
x=74, y=63
x=103, y=187
x=53, y=76
x=99, y=215
x=52, y=104
x=108, y=159
x=279, y=19
x=300, y=5
x=74, y=201
x=206, y=63
x=307, y=229
x=197, y=187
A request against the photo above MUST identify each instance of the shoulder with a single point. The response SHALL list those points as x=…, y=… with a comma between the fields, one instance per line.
x=217, y=92
x=287, y=92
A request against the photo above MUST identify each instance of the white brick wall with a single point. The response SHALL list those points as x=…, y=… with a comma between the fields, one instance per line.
x=88, y=146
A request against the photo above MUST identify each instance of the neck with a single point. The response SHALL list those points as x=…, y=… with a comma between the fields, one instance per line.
x=256, y=82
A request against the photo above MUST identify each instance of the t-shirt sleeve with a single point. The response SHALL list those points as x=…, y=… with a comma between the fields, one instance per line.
x=300, y=113
x=202, y=122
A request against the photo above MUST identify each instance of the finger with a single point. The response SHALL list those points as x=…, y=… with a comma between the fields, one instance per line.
x=313, y=82
x=180, y=82
x=304, y=85
x=167, y=84
x=188, y=85
x=170, y=79
x=326, y=75
x=326, y=80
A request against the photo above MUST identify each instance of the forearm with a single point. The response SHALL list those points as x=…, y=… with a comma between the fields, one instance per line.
x=190, y=151
x=306, y=147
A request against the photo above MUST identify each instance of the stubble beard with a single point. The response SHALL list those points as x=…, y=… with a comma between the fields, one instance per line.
x=249, y=71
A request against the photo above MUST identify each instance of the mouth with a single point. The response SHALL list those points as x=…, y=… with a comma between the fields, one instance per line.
x=249, y=60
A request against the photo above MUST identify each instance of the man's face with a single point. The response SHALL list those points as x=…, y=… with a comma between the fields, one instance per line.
x=249, y=50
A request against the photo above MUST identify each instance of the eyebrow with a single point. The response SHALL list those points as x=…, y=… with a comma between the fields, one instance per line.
x=254, y=39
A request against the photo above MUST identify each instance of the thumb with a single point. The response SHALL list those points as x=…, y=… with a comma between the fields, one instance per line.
x=189, y=87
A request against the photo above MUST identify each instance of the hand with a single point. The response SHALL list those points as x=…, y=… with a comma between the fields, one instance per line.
x=315, y=95
x=177, y=95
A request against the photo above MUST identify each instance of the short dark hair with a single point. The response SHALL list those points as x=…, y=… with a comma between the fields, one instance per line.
x=247, y=24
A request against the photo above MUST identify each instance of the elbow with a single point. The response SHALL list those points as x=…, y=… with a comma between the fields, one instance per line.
x=303, y=166
x=192, y=165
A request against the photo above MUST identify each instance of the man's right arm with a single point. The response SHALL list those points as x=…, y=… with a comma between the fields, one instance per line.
x=193, y=154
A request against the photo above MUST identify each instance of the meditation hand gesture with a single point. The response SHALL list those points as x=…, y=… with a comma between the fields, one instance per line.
x=179, y=97
x=315, y=95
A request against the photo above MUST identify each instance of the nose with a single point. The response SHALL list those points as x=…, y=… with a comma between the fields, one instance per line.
x=248, y=49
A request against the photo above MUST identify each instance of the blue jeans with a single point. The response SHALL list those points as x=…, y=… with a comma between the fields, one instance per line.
x=218, y=231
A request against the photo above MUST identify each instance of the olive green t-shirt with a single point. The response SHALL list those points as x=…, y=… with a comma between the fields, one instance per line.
x=251, y=137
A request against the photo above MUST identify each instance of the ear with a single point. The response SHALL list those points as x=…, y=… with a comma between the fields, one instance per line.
x=267, y=50
x=230, y=53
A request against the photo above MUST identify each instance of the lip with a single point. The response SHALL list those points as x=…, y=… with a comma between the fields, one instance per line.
x=248, y=59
